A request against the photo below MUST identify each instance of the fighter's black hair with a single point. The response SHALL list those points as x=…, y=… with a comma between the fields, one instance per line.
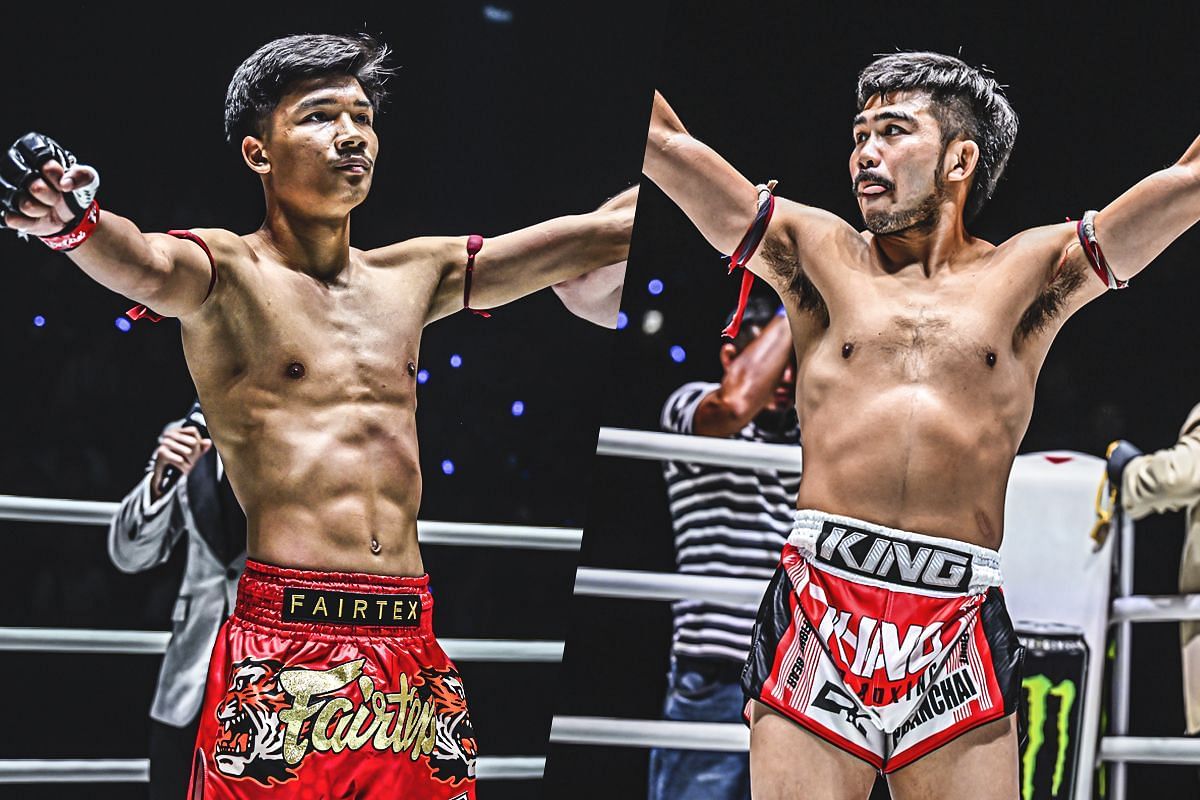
x=966, y=103
x=263, y=78
x=759, y=311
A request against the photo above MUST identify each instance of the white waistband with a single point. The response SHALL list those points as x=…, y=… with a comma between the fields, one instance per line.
x=985, y=563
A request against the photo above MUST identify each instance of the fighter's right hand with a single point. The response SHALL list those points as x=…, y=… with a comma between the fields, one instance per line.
x=43, y=191
x=180, y=448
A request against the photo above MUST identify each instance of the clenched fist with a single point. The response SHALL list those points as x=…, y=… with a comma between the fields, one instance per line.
x=43, y=191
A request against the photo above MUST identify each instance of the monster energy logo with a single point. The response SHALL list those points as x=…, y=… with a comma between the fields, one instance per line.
x=1039, y=690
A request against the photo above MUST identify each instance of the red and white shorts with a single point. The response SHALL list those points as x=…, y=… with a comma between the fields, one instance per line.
x=885, y=643
x=331, y=685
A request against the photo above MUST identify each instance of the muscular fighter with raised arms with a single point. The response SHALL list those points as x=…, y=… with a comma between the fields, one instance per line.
x=883, y=637
x=304, y=352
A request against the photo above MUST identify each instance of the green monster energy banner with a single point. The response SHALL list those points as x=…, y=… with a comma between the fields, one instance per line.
x=1051, y=714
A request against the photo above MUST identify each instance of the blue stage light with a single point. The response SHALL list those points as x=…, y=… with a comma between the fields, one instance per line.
x=448, y=467
x=678, y=354
x=497, y=14
x=456, y=361
x=423, y=376
x=39, y=321
x=518, y=408
x=123, y=324
x=655, y=286
x=622, y=320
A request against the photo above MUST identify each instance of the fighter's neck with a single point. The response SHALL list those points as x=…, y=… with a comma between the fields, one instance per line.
x=317, y=246
x=935, y=247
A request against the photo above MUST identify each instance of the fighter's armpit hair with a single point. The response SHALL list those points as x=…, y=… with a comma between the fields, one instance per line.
x=786, y=266
x=1049, y=303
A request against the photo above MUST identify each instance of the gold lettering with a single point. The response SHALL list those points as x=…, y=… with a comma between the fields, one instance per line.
x=360, y=605
x=382, y=604
x=303, y=685
x=321, y=738
x=320, y=606
x=357, y=736
x=412, y=610
x=340, y=601
x=428, y=726
x=297, y=598
x=397, y=609
x=385, y=737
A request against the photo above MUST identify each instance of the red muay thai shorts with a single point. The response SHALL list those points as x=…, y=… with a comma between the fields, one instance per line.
x=331, y=685
x=884, y=643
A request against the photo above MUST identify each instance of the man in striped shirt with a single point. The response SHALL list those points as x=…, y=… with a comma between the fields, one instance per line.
x=728, y=521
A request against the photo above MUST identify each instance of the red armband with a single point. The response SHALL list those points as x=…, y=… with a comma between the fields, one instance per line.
x=745, y=251
x=142, y=312
x=474, y=245
x=63, y=242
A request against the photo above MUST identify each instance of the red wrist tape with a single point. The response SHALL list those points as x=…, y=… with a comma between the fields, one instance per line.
x=63, y=242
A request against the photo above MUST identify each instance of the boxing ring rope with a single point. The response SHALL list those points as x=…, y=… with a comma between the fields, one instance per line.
x=471, y=534
x=137, y=770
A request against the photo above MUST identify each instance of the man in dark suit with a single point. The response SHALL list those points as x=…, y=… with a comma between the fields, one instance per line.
x=184, y=494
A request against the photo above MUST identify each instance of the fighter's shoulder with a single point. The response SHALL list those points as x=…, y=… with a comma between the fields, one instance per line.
x=1045, y=241
x=809, y=220
x=421, y=251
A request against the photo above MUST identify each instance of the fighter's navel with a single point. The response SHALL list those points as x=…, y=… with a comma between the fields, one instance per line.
x=375, y=546
x=295, y=370
x=990, y=358
x=847, y=349
x=412, y=368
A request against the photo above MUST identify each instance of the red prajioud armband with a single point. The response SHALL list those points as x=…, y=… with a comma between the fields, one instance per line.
x=745, y=251
x=69, y=240
x=142, y=312
x=474, y=245
x=1086, y=230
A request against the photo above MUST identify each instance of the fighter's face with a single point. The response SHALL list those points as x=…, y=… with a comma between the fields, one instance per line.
x=319, y=146
x=895, y=167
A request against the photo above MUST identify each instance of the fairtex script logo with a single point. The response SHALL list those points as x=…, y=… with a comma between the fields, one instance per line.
x=876, y=555
x=272, y=717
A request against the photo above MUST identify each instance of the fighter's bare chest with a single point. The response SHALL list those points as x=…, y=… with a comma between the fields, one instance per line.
x=292, y=327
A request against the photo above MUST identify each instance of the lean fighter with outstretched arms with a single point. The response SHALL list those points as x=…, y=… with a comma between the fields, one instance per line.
x=883, y=642
x=304, y=352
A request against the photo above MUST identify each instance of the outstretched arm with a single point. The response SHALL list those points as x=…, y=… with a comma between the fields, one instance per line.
x=1138, y=225
x=167, y=274
x=515, y=264
x=722, y=203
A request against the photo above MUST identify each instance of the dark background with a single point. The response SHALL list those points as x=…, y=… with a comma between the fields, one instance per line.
x=500, y=116
x=1104, y=100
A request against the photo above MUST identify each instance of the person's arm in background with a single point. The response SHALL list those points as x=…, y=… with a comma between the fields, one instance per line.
x=149, y=521
x=751, y=378
x=1165, y=480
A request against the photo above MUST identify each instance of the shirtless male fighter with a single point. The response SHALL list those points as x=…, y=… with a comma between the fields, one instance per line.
x=883, y=642
x=304, y=352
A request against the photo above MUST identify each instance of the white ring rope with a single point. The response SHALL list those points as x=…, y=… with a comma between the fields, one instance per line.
x=1155, y=608
x=636, y=585
x=83, y=640
x=723, y=736
x=472, y=534
x=137, y=770
x=1150, y=749
x=654, y=446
